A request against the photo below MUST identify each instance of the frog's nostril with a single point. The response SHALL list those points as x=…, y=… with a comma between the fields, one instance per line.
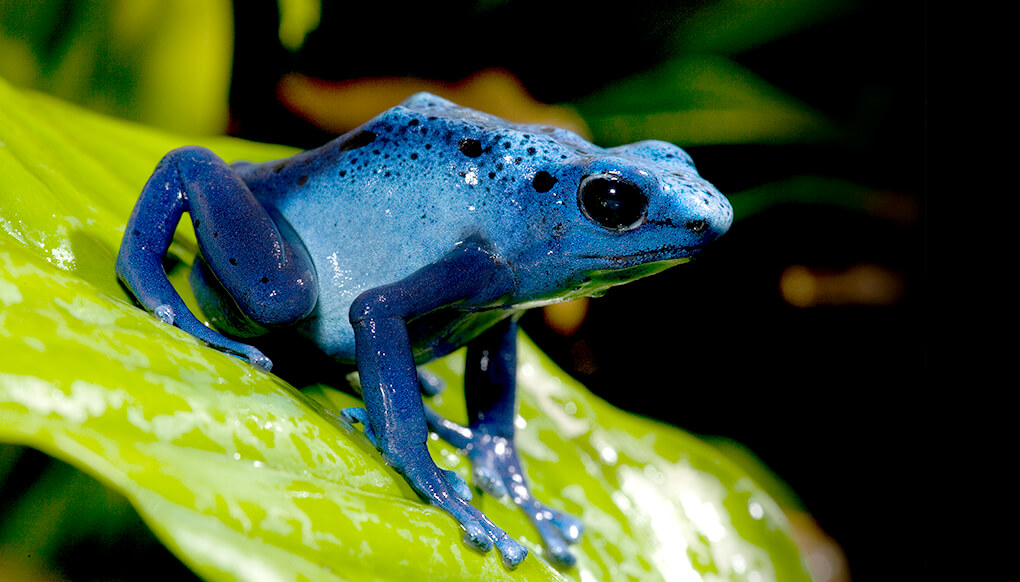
x=697, y=226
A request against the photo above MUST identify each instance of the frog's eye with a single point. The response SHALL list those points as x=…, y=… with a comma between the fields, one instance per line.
x=612, y=202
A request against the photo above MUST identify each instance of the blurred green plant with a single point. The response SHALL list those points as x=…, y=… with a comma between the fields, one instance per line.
x=162, y=62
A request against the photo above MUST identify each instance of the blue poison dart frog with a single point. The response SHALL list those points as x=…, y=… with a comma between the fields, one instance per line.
x=429, y=228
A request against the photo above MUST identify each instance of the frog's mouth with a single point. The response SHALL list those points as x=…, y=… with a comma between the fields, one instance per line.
x=668, y=253
x=610, y=277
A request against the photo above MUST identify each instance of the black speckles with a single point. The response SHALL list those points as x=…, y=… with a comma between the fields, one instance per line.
x=543, y=181
x=136, y=232
x=532, y=151
x=264, y=280
x=343, y=173
x=492, y=175
x=413, y=122
x=697, y=226
x=302, y=180
x=414, y=156
x=360, y=139
x=470, y=147
x=233, y=261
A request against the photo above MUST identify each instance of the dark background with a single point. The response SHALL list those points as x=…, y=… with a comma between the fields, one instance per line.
x=831, y=397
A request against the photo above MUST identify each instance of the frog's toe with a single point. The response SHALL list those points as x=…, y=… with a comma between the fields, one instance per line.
x=513, y=552
x=165, y=313
x=476, y=536
x=569, y=526
x=561, y=557
x=360, y=416
x=488, y=480
x=258, y=359
x=557, y=550
x=459, y=486
x=558, y=531
x=429, y=383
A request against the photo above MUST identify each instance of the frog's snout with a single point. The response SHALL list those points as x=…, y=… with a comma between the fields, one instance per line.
x=707, y=214
x=718, y=215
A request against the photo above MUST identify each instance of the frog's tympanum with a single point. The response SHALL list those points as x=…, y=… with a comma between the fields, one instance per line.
x=429, y=228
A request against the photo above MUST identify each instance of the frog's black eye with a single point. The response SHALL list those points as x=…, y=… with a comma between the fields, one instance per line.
x=612, y=202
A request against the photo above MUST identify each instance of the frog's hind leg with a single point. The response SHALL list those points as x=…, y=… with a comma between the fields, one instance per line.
x=490, y=391
x=263, y=267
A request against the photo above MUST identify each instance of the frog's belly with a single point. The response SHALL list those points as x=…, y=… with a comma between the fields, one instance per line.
x=432, y=335
x=363, y=253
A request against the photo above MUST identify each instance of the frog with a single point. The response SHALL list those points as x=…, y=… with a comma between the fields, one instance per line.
x=430, y=228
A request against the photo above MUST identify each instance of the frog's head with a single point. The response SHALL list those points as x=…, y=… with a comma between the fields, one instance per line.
x=570, y=217
x=627, y=212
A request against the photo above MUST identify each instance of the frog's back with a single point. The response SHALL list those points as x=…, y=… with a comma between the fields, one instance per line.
x=394, y=195
x=398, y=193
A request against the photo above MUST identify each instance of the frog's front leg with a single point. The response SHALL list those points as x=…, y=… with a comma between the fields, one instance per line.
x=262, y=265
x=488, y=441
x=390, y=384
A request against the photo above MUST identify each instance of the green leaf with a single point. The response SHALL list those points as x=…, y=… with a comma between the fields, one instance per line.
x=245, y=478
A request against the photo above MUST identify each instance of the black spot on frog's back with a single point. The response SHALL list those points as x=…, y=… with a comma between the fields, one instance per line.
x=360, y=139
x=470, y=147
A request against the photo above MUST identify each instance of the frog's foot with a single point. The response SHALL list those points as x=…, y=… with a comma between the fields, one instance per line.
x=246, y=352
x=445, y=490
x=430, y=383
x=498, y=472
x=360, y=416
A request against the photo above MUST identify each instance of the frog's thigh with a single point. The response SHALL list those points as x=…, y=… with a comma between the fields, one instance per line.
x=189, y=180
x=253, y=253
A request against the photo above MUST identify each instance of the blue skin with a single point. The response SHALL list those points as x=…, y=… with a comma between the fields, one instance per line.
x=429, y=228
